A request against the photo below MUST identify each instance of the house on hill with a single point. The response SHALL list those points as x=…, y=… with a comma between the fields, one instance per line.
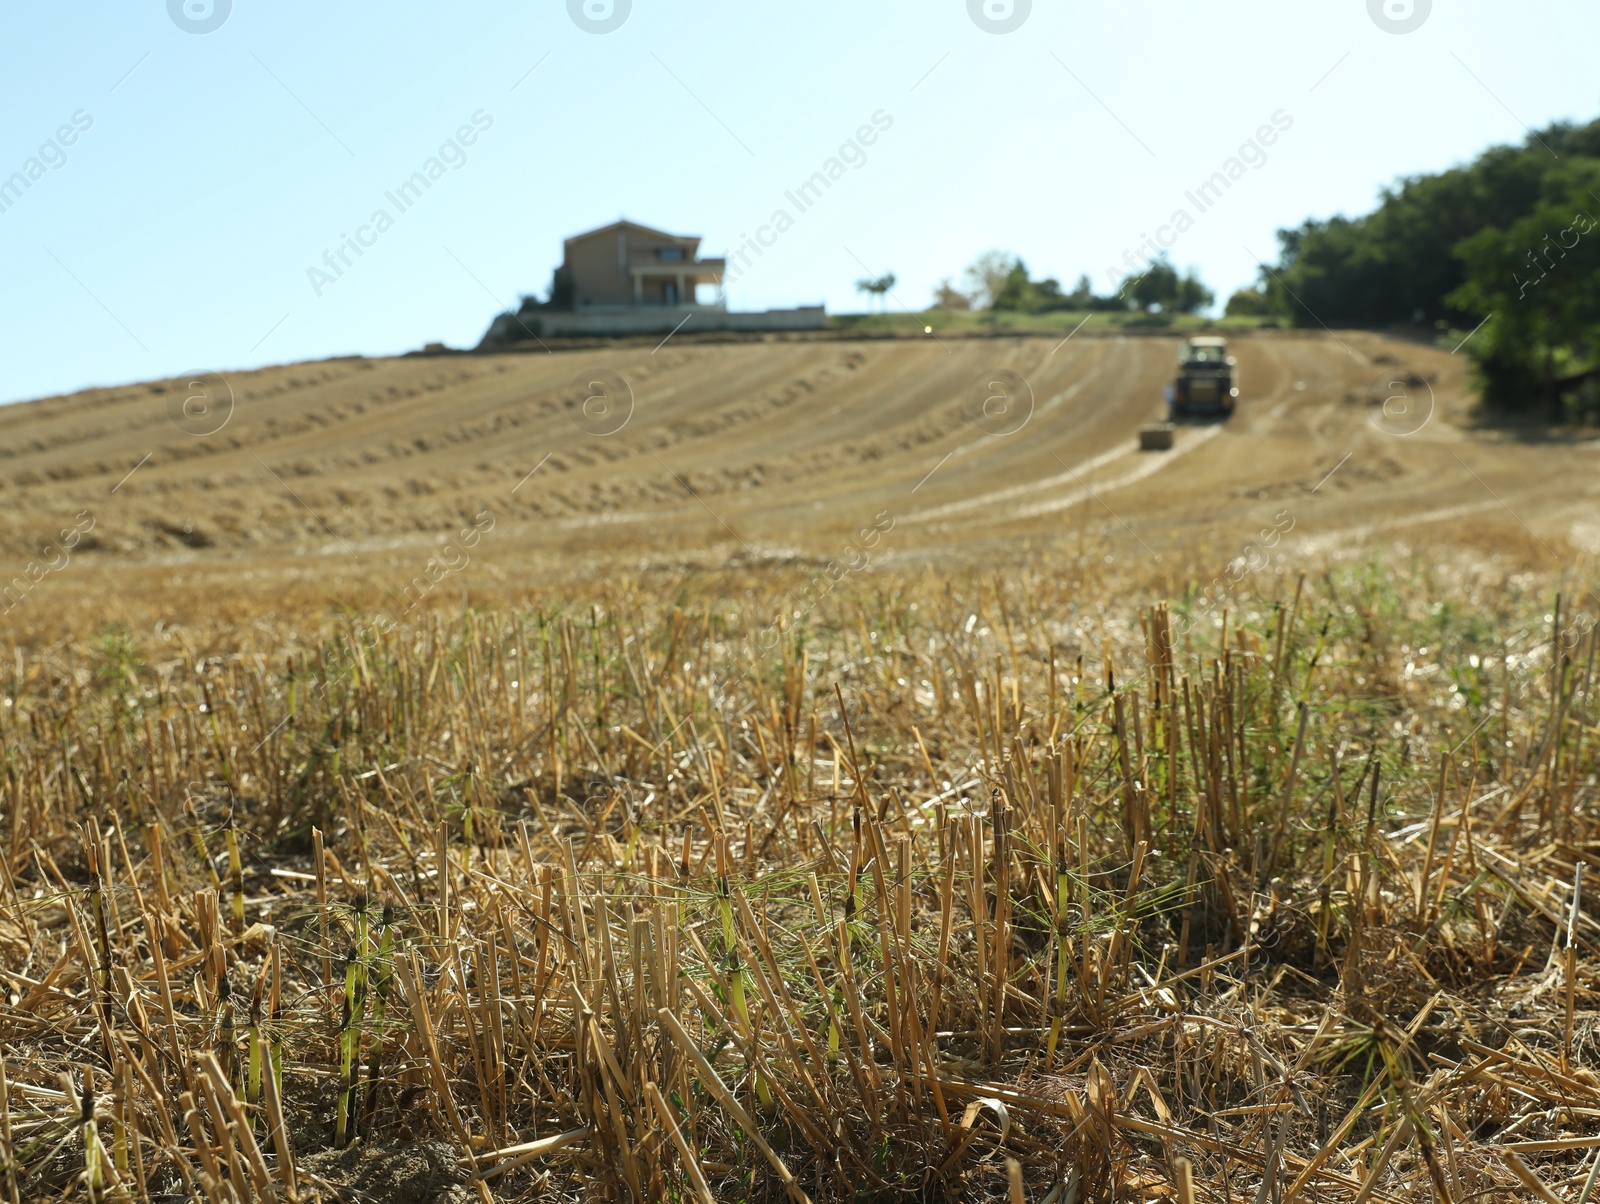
x=631, y=265
x=631, y=279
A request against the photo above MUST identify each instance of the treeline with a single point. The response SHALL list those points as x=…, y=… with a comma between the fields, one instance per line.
x=1502, y=252
x=1000, y=282
x=1508, y=241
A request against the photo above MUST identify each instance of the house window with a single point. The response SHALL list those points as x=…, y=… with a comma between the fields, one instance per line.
x=670, y=254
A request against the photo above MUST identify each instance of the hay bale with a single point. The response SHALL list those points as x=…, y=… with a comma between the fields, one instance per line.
x=1157, y=436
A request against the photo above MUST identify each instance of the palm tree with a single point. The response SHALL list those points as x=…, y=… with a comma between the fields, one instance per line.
x=876, y=286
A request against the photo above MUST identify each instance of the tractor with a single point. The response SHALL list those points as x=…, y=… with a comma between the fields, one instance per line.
x=1207, y=380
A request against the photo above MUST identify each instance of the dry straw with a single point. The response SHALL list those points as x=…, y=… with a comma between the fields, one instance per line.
x=946, y=898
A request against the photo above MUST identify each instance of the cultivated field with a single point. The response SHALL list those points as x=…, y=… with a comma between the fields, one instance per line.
x=343, y=477
x=783, y=770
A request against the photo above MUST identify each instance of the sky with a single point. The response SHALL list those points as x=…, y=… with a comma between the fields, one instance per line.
x=200, y=162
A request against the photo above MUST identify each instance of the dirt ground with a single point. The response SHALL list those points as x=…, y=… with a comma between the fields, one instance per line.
x=377, y=476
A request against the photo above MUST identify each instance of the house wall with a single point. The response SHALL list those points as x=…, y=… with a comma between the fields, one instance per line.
x=662, y=320
x=598, y=277
x=599, y=265
x=507, y=330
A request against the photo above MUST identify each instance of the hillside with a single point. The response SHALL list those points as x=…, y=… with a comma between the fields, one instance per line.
x=774, y=451
x=907, y=791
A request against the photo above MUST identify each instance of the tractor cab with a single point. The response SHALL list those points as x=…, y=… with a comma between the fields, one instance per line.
x=1206, y=381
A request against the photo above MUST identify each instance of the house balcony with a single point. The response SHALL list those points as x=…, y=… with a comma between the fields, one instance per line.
x=674, y=284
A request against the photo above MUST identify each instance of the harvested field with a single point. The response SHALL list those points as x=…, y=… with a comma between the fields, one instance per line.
x=346, y=476
x=820, y=787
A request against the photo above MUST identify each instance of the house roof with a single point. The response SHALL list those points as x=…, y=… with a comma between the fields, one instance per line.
x=635, y=227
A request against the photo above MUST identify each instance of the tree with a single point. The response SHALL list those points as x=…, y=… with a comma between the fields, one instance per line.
x=1193, y=296
x=1495, y=241
x=1019, y=293
x=947, y=296
x=1155, y=288
x=1082, y=294
x=1399, y=262
x=562, y=289
x=1083, y=297
x=1246, y=303
x=877, y=286
x=999, y=281
x=987, y=276
x=1537, y=284
x=1160, y=287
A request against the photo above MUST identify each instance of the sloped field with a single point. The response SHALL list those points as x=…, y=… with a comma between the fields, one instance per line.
x=830, y=770
x=704, y=452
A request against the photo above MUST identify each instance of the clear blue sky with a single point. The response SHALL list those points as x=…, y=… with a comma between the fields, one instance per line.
x=178, y=233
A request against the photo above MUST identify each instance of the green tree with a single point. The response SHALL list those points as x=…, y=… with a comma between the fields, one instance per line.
x=1537, y=282
x=877, y=286
x=1247, y=303
x=1021, y=294
x=1083, y=297
x=1399, y=263
x=1160, y=287
x=1082, y=294
x=999, y=281
x=1193, y=296
x=1485, y=242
